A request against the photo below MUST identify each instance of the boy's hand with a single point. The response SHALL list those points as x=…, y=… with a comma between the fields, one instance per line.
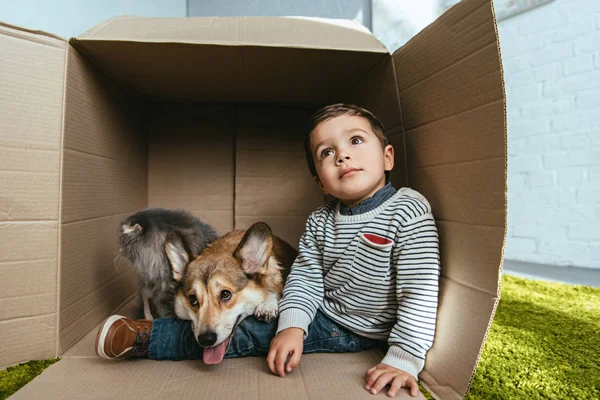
x=290, y=342
x=382, y=374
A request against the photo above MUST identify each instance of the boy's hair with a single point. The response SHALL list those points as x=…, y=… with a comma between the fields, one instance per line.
x=336, y=110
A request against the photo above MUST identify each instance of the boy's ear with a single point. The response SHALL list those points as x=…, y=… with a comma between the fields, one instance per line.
x=388, y=157
x=177, y=254
x=316, y=178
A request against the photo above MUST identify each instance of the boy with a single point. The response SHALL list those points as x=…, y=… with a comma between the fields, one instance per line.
x=367, y=269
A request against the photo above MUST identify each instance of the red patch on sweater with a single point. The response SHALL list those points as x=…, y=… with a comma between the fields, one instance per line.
x=377, y=239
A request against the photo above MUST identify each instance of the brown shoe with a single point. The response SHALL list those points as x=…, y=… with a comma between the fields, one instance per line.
x=120, y=336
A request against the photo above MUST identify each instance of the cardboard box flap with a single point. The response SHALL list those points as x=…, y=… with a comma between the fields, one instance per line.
x=230, y=74
x=310, y=33
x=233, y=60
x=33, y=35
x=451, y=90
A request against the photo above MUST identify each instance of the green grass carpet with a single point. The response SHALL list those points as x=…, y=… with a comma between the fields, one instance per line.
x=544, y=344
x=13, y=378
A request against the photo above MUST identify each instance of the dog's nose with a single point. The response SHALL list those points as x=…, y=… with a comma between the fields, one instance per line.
x=207, y=339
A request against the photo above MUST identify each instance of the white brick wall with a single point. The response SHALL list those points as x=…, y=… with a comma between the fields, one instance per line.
x=551, y=58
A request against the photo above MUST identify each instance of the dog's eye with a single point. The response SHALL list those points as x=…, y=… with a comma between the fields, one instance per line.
x=193, y=300
x=225, y=295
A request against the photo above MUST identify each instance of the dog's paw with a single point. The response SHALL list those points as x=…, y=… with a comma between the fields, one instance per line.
x=267, y=311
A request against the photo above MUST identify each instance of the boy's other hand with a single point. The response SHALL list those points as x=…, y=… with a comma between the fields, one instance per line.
x=288, y=342
x=382, y=374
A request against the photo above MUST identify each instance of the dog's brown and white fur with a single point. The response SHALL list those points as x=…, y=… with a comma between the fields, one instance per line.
x=239, y=274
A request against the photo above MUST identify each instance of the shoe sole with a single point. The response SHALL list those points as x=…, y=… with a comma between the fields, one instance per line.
x=102, y=333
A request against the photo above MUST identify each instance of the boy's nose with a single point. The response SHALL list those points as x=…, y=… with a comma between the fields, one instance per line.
x=343, y=158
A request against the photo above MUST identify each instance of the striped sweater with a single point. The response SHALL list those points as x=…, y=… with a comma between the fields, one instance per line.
x=374, y=273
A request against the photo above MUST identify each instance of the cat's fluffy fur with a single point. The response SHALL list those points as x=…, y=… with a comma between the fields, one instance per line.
x=142, y=241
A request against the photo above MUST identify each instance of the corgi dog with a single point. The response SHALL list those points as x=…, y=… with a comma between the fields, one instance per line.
x=239, y=274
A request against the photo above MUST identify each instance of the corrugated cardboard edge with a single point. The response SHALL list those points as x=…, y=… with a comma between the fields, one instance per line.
x=347, y=24
x=60, y=198
x=505, y=200
x=223, y=43
x=32, y=31
x=489, y=327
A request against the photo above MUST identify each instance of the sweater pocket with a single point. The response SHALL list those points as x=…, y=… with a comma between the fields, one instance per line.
x=373, y=255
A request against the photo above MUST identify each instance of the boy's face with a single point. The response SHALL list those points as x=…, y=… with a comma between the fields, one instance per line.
x=349, y=159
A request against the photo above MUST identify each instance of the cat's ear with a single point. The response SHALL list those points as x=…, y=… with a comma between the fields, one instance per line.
x=127, y=229
x=177, y=254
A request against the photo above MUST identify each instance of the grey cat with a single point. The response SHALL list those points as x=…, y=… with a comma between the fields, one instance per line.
x=142, y=241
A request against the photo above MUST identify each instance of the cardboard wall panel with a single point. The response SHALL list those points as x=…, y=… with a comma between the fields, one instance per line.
x=28, y=241
x=457, y=34
x=481, y=243
x=471, y=193
x=27, y=305
x=17, y=276
x=461, y=138
x=28, y=159
x=94, y=187
x=452, y=97
x=105, y=175
x=104, y=137
x=436, y=97
x=462, y=320
x=24, y=339
x=32, y=78
x=273, y=183
x=102, y=118
x=30, y=196
x=377, y=92
x=32, y=69
x=80, y=248
x=104, y=301
x=191, y=161
x=28, y=269
x=30, y=179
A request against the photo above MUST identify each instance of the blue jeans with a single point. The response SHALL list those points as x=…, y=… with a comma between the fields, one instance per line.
x=173, y=339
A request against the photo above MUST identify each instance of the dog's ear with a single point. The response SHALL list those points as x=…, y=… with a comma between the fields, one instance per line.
x=177, y=254
x=255, y=248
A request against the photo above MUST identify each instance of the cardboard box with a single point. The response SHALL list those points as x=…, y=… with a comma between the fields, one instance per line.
x=208, y=114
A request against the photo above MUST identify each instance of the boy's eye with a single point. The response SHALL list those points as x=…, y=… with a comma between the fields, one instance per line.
x=356, y=140
x=326, y=153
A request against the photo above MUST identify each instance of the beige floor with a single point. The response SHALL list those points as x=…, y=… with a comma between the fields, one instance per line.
x=82, y=375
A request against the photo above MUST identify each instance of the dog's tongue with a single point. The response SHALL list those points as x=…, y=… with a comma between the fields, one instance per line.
x=214, y=355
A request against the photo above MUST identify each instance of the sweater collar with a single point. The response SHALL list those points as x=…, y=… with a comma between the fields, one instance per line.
x=370, y=203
